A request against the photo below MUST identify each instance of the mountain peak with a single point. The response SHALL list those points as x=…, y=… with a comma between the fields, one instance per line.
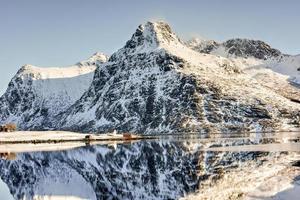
x=26, y=69
x=152, y=34
x=162, y=30
x=95, y=59
x=148, y=37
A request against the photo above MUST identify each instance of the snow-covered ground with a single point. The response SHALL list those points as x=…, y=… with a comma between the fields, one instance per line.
x=22, y=137
x=292, y=193
x=37, y=141
x=40, y=135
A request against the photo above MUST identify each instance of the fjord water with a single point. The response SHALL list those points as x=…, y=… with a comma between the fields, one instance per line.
x=242, y=166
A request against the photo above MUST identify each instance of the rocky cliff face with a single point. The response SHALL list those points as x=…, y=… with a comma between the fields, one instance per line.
x=36, y=95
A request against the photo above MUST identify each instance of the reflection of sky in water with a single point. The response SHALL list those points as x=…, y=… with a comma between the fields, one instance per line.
x=4, y=192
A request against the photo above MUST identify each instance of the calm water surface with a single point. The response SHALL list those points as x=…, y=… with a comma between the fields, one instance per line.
x=192, y=167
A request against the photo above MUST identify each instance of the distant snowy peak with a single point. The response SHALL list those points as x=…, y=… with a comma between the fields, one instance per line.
x=202, y=45
x=39, y=73
x=81, y=68
x=253, y=54
x=237, y=47
x=96, y=59
x=247, y=48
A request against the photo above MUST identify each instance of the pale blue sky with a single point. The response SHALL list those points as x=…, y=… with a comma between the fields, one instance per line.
x=63, y=32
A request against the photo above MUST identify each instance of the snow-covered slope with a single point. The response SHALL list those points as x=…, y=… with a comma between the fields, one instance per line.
x=35, y=95
x=157, y=84
x=288, y=65
x=254, y=53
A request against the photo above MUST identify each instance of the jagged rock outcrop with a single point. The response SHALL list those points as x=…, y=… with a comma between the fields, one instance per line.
x=245, y=48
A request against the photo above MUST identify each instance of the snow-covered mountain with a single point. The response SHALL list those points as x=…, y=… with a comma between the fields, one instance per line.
x=255, y=53
x=235, y=48
x=35, y=95
x=156, y=84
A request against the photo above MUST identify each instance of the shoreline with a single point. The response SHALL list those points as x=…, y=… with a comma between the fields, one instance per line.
x=32, y=141
x=37, y=137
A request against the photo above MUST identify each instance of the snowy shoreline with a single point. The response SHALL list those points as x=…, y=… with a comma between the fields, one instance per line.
x=30, y=141
x=62, y=136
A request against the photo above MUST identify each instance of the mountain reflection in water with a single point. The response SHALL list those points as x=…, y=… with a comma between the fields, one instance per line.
x=168, y=168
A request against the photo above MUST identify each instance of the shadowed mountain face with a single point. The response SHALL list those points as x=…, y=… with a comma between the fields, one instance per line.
x=144, y=170
x=31, y=107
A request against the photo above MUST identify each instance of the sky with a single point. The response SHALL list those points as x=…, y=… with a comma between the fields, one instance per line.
x=63, y=32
